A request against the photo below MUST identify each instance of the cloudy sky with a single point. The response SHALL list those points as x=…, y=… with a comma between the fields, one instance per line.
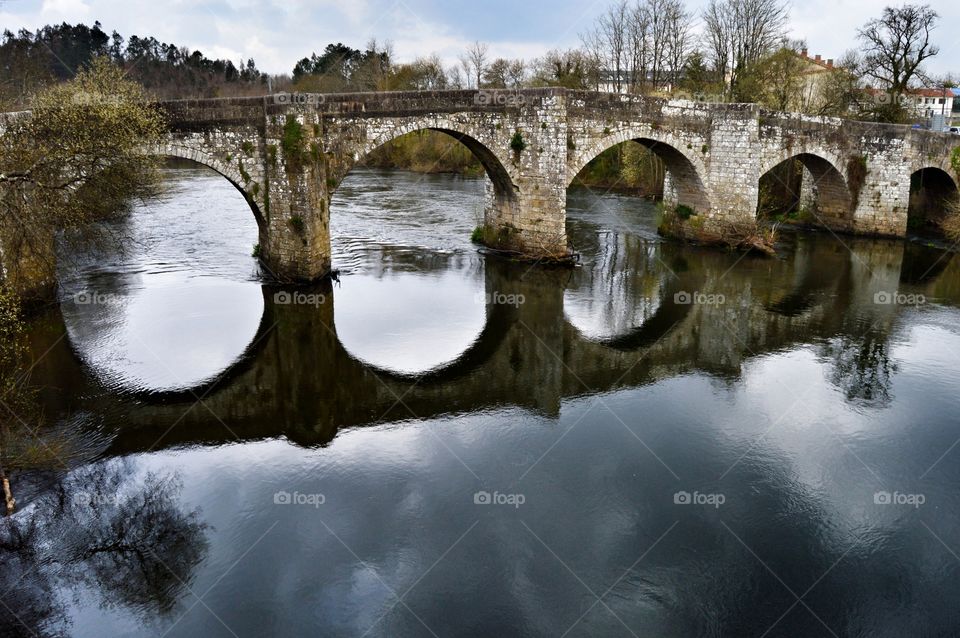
x=276, y=33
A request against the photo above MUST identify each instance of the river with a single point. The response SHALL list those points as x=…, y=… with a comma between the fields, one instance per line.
x=665, y=441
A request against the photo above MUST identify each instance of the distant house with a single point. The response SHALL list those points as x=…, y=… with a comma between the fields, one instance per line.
x=923, y=104
x=816, y=70
x=929, y=102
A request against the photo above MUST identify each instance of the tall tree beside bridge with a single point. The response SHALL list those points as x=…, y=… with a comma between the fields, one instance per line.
x=895, y=47
x=77, y=158
x=740, y=33
x=641, y=47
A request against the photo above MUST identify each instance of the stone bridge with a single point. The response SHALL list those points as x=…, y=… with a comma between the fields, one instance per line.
x=288, y=153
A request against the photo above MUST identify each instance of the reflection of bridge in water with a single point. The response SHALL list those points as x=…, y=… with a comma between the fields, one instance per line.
x=298, y=380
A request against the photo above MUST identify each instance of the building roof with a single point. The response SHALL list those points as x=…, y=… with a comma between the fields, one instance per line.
x=939, y=92
x=816, y=60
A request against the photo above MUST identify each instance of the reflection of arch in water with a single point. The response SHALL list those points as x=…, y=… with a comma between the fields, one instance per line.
x=923, y=264
x=237, y=367
x=499, y=319
x=673, y=307
x=822, y=264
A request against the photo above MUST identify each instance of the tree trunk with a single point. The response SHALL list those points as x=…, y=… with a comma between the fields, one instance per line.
x=10, y=503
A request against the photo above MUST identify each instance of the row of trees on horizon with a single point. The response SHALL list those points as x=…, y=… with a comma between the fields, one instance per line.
x=735, y=50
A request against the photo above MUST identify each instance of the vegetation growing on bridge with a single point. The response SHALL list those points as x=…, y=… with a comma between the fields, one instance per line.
x=517, y=142
x=293, y=143
x=682, y=222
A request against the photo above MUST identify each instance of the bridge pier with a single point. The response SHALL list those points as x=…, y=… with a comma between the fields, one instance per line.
x=295, y=238
x=880, y=186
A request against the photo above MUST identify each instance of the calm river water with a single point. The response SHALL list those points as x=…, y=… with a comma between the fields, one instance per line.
x=667, y=441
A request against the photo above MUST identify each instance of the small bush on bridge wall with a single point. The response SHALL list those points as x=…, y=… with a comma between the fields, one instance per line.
x=517, y=143
x=494, y=238
x=296, y=222
x=955, y=161
x=244, y=175
x=292, y=142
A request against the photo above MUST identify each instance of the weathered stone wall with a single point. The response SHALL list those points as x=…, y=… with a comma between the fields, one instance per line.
x=288, y=153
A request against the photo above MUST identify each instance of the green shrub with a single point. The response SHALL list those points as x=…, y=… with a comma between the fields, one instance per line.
x=292, y=143
x=517, y=143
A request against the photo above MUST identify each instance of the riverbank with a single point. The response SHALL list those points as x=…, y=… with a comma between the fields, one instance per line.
x=628, y=168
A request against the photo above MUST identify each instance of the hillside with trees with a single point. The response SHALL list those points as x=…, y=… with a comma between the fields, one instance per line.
x=30, y=61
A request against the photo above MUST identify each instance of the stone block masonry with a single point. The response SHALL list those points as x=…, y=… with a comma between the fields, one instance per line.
x=288, y=153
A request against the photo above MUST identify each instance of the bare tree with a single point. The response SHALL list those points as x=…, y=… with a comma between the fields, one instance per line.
x=642, y=45
x=476, y=60
x=455, y=78
x=741, y=32
x=517, y=74
x=897, y=44
x=718, y=33
x=607, y=43
x=639, y=39
x=679, y=39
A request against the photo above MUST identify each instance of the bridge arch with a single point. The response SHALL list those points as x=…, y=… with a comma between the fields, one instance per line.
x=498, y=169
x=219, y=166
x=684, y=183
x=933, y=192
x=808, y=184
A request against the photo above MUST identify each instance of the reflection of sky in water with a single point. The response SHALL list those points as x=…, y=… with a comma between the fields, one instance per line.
x=399, y=514
x=170, y=332
x=797, y=433
x=409, y=322
x=599, y=316
x=181, y=303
